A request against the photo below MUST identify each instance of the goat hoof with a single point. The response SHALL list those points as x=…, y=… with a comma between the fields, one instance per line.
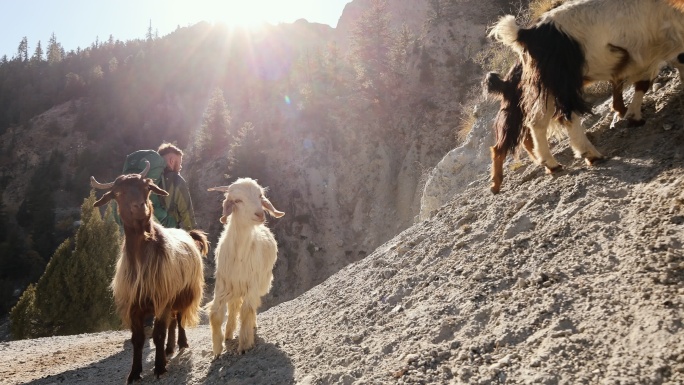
x=636, y=122
x=159, y=372
x=134, y=377
x=169, y=351
x=553, y=170
x=593, y=160
x=495, y=188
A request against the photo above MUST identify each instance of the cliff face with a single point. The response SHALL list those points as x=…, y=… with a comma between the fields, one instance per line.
x=348, y=193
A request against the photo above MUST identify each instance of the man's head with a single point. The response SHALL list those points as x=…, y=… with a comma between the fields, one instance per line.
x=173, y=156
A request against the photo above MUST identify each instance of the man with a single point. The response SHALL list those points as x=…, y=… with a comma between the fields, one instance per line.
x=178, y=202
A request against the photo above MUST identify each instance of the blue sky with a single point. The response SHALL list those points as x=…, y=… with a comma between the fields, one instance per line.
x=77, y=23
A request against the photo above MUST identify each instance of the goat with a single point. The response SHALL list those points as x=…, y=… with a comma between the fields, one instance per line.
x=510, y=130
x=622, y=41
x=159, y=270
x=245, y=255
x=633, y=112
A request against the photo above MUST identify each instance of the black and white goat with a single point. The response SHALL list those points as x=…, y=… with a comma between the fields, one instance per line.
x=579, y=42
x=511, y=132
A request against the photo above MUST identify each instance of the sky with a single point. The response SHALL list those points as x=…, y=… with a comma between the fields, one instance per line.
x=78, y=23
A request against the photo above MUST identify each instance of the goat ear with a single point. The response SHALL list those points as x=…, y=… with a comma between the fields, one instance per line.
x=156, y=189
x=228, y=205
x=268, y=206
x=104, y=200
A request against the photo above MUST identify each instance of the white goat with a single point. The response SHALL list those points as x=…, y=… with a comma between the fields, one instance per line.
x=245, y=256
x=623, y=41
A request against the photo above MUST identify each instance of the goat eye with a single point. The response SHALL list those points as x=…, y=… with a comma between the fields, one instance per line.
x=238, y=201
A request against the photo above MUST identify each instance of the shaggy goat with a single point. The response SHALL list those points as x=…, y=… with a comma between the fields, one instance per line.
x=159, y=270
x=623, y=41
x=245, y=256
x=510, y=130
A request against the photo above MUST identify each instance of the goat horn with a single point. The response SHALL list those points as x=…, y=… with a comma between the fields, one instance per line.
x=100, y=186
x=147, y=168
x=220, y=188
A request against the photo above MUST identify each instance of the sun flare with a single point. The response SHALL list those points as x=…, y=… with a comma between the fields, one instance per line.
x=252, y=13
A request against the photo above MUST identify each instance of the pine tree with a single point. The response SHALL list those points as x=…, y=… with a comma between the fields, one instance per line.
x=24, y=316
x=149, y=35
x=37, y=54
x=214, y=134
x=371, y=41
x=73, y=294
x=246, y=154
x=54, y=50
x=22, y=50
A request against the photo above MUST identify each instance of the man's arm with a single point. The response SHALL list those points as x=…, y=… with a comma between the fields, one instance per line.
x=184, y=205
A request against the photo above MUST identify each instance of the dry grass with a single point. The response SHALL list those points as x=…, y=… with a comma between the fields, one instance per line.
x=467, y=121
x=538, y=7
x=598, y=89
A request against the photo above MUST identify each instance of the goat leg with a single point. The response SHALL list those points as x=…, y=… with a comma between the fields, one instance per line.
x=182, y=339
x=247, y=327
x=161, y=324
x=171, y=339
x=498, y=158
x=216, y=314
x=138, y=340
x=633, y=113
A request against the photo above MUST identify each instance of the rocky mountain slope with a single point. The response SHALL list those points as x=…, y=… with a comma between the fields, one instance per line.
x=576, y=278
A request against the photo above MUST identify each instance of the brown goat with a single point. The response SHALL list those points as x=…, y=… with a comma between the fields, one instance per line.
x=509, y=129
x=159, y=271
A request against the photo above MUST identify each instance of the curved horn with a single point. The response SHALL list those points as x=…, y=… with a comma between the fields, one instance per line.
x=147, y=168
x=100, y=186
x=219, y=188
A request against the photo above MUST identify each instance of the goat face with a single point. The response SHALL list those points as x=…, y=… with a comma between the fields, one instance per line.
x=246, y=200
x=131, y=193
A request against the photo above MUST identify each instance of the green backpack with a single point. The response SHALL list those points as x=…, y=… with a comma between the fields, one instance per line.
x=135, y=164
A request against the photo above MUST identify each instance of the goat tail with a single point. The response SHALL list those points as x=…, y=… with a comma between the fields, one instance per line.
x=506, y=31
x=201, y=241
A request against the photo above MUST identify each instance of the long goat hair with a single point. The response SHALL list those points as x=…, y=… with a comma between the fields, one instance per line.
x=159, y=271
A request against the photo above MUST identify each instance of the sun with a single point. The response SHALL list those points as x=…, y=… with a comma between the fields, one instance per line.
x=253, y=13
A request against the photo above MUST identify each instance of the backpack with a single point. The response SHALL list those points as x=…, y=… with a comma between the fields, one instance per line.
x=135, y=164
